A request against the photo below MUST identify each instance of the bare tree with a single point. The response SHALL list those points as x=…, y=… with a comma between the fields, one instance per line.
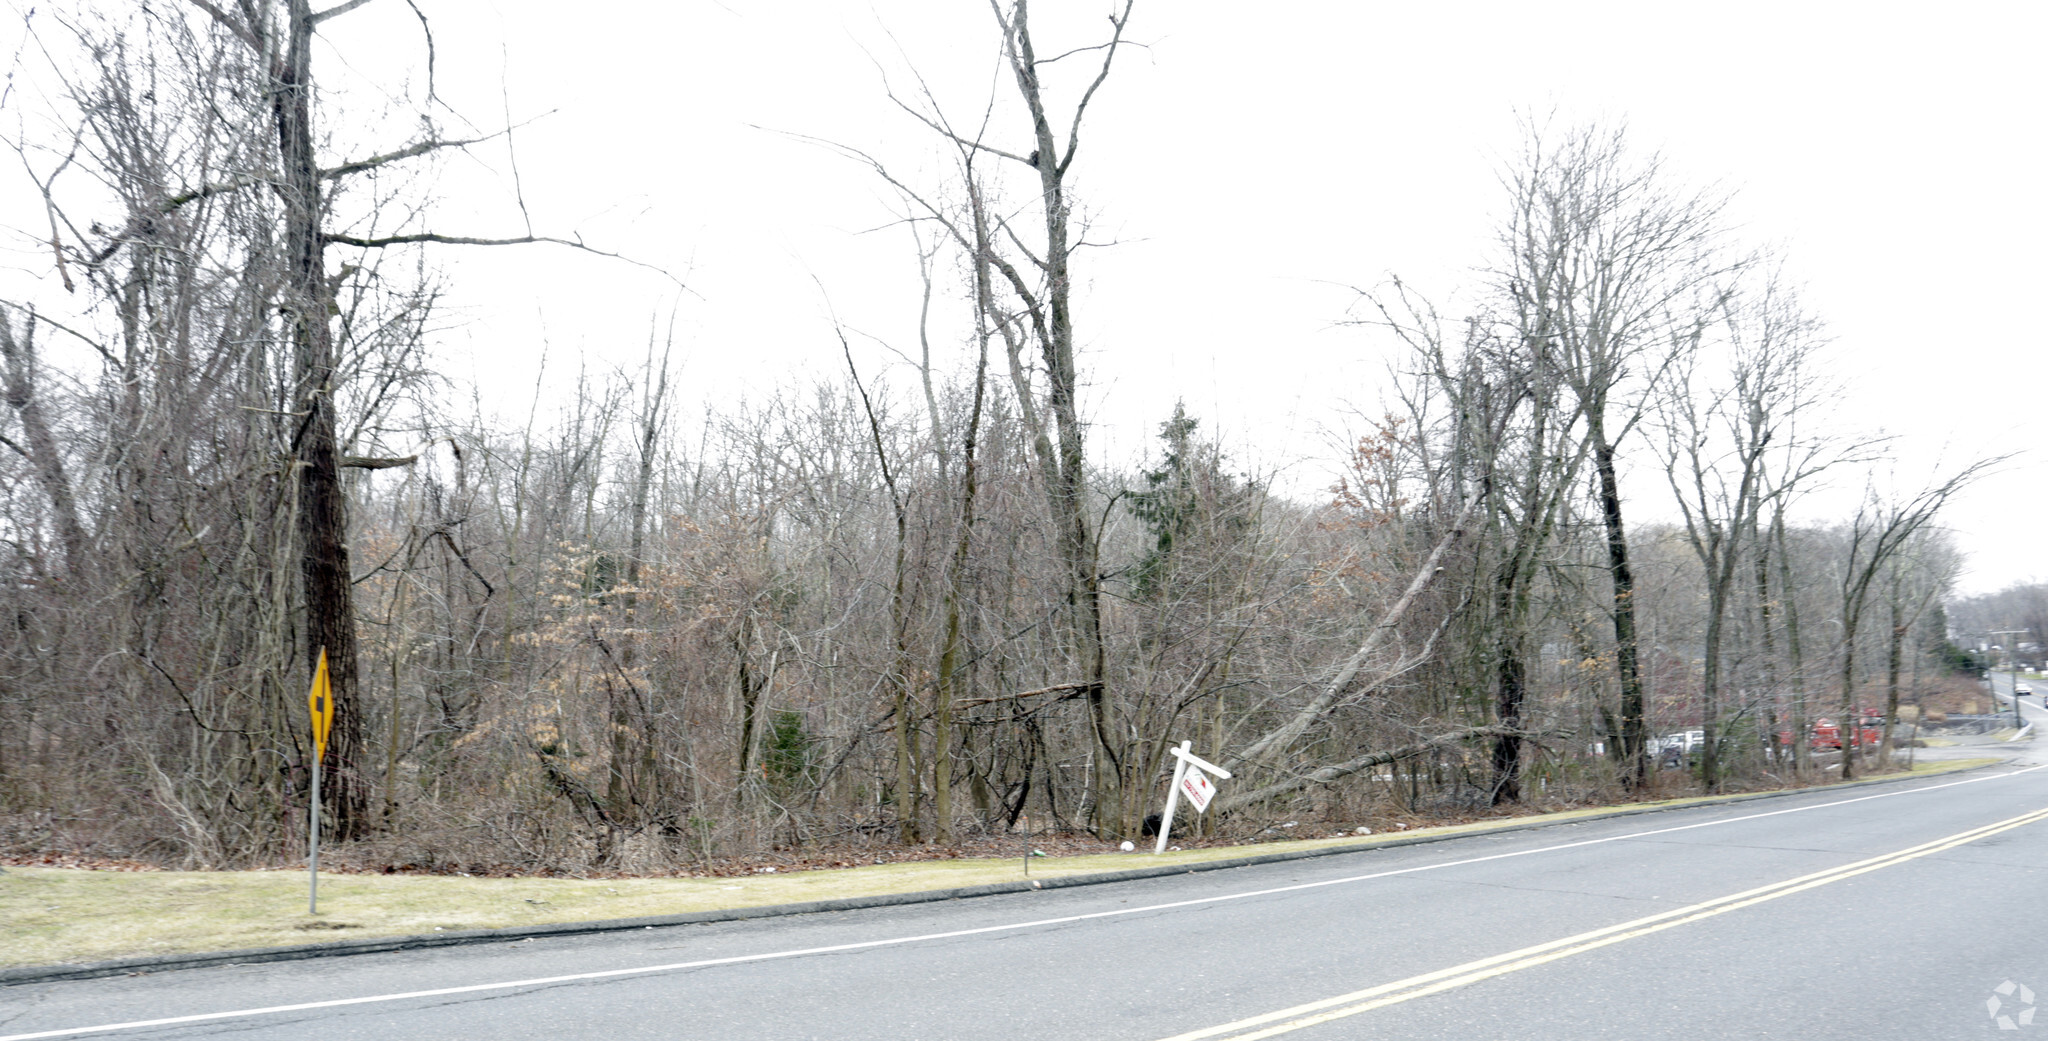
x=1037, y=313
x=1882, y=529
x=279, y=38
x=1609, y=264
x=1916, y=580
x=1516, y=440
x=1718, y=430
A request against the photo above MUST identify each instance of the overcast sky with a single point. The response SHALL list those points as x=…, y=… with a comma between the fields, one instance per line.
x=1250, y=164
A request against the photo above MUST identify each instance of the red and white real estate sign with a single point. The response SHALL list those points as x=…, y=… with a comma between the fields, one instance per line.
x=1195, y=785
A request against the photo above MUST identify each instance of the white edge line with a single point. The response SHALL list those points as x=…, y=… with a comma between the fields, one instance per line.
x=543, y=981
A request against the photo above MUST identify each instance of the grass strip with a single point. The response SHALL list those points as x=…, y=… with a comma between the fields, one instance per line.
x=60, y=915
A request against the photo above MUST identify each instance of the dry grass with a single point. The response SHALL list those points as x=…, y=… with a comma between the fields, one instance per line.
x=60, y=915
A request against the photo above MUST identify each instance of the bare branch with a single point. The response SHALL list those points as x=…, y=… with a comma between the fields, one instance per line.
x=1074, y=129
x=378, y=462
x=413, y=150
x=337, y=10
x=948, y=134
x=1065, y=690
x=1338, y=771
x=428, y=30
x=244, y=33
x=428, y=237
x=1068, y=54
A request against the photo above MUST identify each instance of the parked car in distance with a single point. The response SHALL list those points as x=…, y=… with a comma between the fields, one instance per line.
x=1685, y=741
x=1826, y=735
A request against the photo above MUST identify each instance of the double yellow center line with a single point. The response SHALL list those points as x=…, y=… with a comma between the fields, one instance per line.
x=1287, y=1020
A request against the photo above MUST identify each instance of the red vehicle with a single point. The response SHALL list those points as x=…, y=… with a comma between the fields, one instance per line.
x=1828, y=735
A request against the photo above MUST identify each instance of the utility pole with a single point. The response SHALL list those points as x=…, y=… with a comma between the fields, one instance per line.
x=2012, y=665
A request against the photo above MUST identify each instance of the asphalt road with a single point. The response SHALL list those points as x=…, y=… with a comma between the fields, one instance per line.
x=1894, y=911
x=2031, y=709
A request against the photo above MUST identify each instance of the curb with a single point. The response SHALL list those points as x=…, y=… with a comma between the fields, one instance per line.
x=464, y=937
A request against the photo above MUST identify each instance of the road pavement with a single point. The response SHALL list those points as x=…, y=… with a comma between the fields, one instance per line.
x=1892, y=911
x=2031, y=710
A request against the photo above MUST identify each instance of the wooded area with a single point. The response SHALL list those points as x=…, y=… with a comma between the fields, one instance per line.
x=892, y=606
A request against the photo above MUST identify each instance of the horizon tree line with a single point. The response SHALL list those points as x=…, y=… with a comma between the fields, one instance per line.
x=905, y=604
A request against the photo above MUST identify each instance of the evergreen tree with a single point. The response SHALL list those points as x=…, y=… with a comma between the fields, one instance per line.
x=1189, y=506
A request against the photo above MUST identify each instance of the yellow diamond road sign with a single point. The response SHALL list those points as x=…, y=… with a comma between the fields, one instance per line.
x=321, y=701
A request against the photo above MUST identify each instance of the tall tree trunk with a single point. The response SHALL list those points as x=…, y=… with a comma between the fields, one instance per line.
x=1846, y=729
x=950, y=651
x=1056, y=342
x=1710, y=681
x=1795, y=659
x=43, y=453
x=632, y=784
x=899, y=624
x=748, y=686
x=1511, y=657
x=1893, y=666
x=1633, y=751
x=315, y=455
x=1511, y=680
x=1760, y=560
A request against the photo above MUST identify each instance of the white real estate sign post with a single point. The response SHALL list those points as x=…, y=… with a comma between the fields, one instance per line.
x=1195, y=785
x=1188, y=776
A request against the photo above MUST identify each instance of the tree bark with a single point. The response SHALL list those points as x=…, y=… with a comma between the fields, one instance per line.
x=1069, y=494
x=947, y=692
x=1795, y=652
x=45, y=456
x=1894, y=661
x=633, y=783
x=1632, y=746
x=1511, y=685
x=316, y=458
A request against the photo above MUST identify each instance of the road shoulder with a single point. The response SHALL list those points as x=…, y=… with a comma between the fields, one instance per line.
x=1048, y=875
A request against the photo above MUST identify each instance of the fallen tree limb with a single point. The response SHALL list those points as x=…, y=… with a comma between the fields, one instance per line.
x=378, y=462
x=1070, y=690
x=1337, y=771
x=1276, y=741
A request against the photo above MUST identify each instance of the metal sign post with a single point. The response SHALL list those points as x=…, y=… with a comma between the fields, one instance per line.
x=2012, y=665
x=321, y=702
x=1187, y=776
